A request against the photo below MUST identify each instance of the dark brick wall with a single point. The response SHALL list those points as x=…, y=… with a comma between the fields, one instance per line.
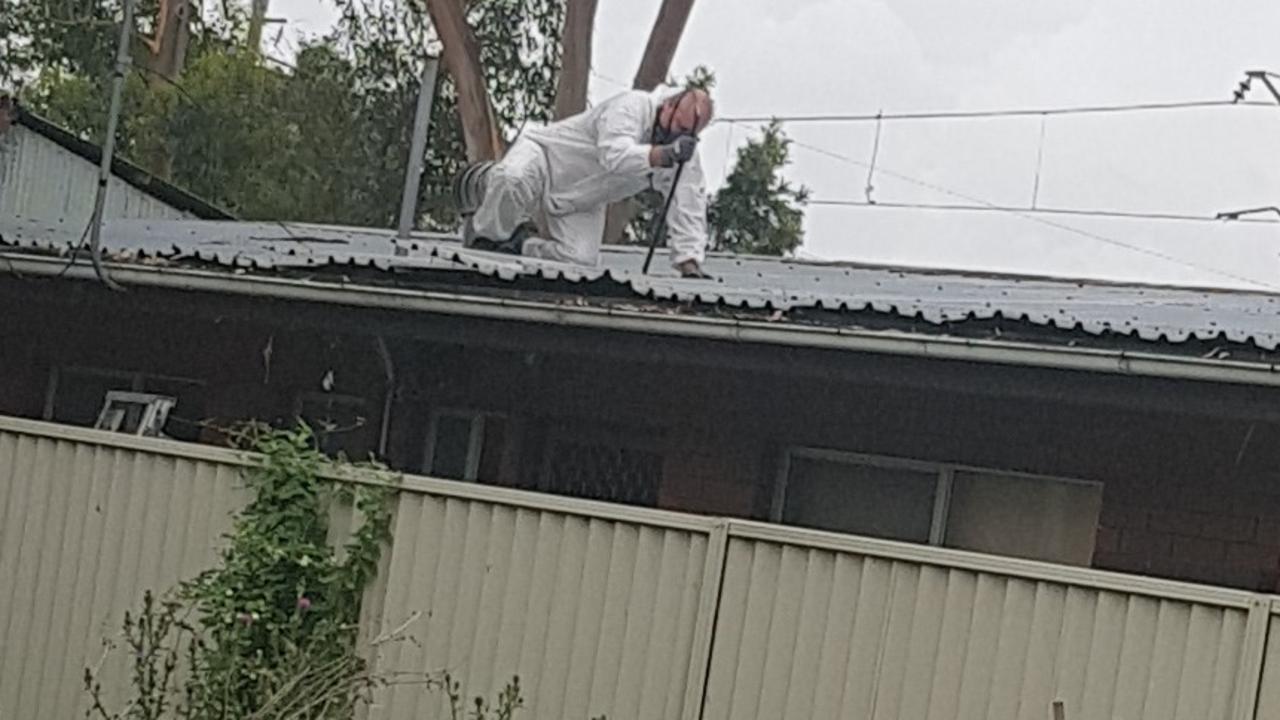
x=1225, y=532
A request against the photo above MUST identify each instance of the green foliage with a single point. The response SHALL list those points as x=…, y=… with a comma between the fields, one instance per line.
x=154, y=638
x=163, y=646
x=520, y=49
x=758, y=211
x=702, y=78
x=273, y=627
x=79, y=37
x=508, y=701
x=281, y=595
x=325, y=141
x=271, y=632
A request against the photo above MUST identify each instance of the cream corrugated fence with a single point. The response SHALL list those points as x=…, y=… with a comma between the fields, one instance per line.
x=630, y=613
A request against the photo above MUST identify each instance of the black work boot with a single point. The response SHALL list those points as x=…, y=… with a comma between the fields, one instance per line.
x=513, y=245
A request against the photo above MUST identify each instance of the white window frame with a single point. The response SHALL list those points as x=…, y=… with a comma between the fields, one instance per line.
x=137, y=381
x=475, y=439
x=946, y=473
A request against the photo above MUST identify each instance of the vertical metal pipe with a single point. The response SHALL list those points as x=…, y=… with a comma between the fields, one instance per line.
x=109, y=145
x=417, y=148
x=388, y=397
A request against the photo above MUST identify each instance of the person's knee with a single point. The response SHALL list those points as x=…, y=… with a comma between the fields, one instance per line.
x=559, y=251
x=580, y=253
x=500, y=179
x=521, y=174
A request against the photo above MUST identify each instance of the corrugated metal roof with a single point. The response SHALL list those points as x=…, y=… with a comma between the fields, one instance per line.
x=41, y=179
x=1152, y=313
x=47, y=171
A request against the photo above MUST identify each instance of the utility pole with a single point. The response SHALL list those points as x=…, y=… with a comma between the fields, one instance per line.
x=257, y=18
x=417, y=148
x=1262, y=76
x=109, y=146
x=257, y=21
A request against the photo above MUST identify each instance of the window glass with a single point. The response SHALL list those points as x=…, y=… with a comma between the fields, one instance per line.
x=452, y=442
x=1036, y=518
x=883, y=502
x=79, y=395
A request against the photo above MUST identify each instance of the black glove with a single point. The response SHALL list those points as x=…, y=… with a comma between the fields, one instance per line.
x=679, y=150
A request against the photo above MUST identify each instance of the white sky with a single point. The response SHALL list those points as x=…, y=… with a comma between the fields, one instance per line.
x=791, y=57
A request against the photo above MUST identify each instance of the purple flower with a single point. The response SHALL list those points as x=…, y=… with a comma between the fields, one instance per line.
x=244, y=618
x=304, y=603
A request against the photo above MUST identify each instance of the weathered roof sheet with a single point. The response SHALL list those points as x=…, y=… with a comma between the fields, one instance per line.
x=42, y=167
x=1152, y=313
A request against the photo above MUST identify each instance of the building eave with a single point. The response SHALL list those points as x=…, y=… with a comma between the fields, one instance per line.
x=729, y=330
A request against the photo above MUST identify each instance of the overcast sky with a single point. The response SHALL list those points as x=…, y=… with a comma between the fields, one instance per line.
x=796, y=57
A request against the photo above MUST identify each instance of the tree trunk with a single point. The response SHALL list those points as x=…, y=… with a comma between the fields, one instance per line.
x=654, y=67
x=462, y=60
x=663, y=41
x=575, y=65
x=173, y=34
x=167, y=55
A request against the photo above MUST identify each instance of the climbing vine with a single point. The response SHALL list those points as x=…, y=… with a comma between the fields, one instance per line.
x=282, y=597
x=271, y=631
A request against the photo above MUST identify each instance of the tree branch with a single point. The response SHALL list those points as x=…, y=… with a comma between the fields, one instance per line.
x=462, y=60
x=575, y=66
x=663, y=41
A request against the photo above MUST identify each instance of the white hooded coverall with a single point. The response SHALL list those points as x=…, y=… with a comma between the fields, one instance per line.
x=575, y=168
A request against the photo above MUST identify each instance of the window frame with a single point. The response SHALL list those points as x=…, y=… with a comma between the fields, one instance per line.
x=475, y=439
x=946, y=475
x=137, y=382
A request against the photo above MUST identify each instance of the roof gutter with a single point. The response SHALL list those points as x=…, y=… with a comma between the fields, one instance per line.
x=885, y=342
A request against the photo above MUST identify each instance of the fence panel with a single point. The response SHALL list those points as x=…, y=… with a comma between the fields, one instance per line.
x=631, y=613
x=85, y=529
x=1269, y=690
x=817, y=626
x=596, y=613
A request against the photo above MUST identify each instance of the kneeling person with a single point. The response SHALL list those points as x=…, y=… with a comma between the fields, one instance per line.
x=573, y=169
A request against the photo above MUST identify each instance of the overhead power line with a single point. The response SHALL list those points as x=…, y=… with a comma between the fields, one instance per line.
x=1042, y=220
x=1004, y=113
x=1079, y=212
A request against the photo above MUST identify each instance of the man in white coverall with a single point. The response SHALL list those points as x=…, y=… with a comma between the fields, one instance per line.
x=574, y=168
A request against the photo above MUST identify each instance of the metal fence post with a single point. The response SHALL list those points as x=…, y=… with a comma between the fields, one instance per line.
x=1249, y=680
x=705, y=630
x=417, y=148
